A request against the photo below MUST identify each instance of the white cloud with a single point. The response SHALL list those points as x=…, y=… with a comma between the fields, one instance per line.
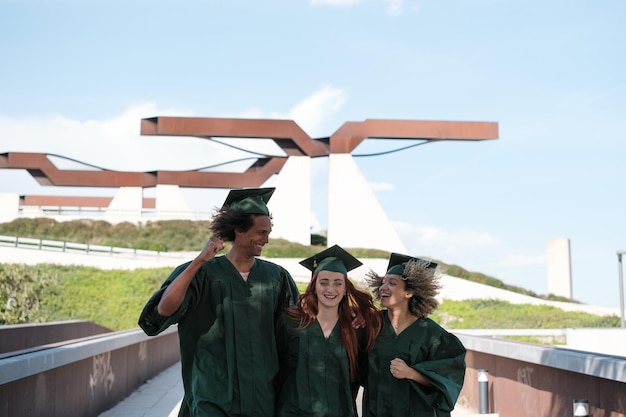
x=316, y=226
x=311, y=112
x=428, y=240
x=394, y=7
x=520, y=260
x=113, y=143
x=478, y=252
x=382, y=186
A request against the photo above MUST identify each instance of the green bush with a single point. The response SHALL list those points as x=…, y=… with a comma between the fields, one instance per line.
x=22, y=292
x=111, y=298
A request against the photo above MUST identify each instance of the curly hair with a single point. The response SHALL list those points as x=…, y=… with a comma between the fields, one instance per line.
x=354, y=301
x=419, y=279
x=228, y=220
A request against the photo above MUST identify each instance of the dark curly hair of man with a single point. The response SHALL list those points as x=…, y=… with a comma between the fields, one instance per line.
x=228, y=220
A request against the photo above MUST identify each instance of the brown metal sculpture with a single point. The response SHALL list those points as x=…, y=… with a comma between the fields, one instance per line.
x=294, y=141
x=42, y=169
x=287, y=135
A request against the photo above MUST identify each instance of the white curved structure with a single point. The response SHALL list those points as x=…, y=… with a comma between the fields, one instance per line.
x=355, y=217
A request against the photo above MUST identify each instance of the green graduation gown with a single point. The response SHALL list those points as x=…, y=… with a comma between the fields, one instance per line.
x=226, y=328
x=315, y=374
x=426, y=347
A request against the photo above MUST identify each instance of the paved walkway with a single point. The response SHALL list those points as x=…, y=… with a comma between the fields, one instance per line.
x=161, y=396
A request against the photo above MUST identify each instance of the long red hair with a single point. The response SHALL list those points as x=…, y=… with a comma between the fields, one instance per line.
x=354, y=301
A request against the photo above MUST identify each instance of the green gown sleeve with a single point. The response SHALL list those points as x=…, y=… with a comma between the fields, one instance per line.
x=150, y=320
x=289, y=292
x=445, y=369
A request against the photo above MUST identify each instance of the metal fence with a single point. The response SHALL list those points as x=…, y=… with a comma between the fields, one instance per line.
x=73, y=247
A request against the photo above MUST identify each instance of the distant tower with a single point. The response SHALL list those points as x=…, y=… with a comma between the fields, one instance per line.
x=559, y=267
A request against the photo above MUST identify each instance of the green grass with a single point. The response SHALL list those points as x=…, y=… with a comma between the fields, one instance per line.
x=188, y=235
x=497, y=314
x=114, y=299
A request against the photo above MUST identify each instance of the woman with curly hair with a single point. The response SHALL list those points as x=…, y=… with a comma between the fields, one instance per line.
x=415, y=368
x=318, y=344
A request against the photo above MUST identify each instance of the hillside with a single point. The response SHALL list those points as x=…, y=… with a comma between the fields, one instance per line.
x=111, y=290
x=190, y=236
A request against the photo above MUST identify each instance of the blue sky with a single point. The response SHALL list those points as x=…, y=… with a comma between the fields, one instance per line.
x=77, y=77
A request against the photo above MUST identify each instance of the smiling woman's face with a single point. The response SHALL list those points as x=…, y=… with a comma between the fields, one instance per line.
x=330, y=288
x=393, y=291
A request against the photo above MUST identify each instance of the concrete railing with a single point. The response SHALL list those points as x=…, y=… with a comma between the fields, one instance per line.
x=82, y=377
x=90, y=375
x=14, y=337
x=528, y=380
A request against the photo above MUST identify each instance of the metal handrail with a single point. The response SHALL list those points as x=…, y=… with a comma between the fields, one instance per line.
x=63, y=246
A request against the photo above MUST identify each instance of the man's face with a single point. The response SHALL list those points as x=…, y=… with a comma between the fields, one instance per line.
x=256, y=237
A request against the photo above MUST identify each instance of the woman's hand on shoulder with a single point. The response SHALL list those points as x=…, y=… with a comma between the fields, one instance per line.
x=358, y=321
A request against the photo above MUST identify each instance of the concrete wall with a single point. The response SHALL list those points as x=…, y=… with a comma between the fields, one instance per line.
x=9, y=206
x=83, y=378
x=170, y=202
x=524, y=380
x=527, y=380
x=126, y=204
x=25, y=336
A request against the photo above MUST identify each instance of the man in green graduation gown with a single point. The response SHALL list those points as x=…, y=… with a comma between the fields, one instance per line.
x=226, y=307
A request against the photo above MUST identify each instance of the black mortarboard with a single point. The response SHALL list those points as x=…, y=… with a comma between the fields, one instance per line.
x=397, y=262
x=250, y=200
x=334, y=259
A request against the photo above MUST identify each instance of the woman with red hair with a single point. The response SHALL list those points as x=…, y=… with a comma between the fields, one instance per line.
x=319, y=347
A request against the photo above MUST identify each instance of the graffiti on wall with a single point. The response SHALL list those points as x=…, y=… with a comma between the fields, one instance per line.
x=101, y=377
x=529, y=399
x=143, y=351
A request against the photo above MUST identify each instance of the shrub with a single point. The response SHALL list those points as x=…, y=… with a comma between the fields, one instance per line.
x=22, y=292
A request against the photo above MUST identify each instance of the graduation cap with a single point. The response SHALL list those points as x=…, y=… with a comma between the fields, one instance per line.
x=397, y=262
x=334, y=259
x=250, y=200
